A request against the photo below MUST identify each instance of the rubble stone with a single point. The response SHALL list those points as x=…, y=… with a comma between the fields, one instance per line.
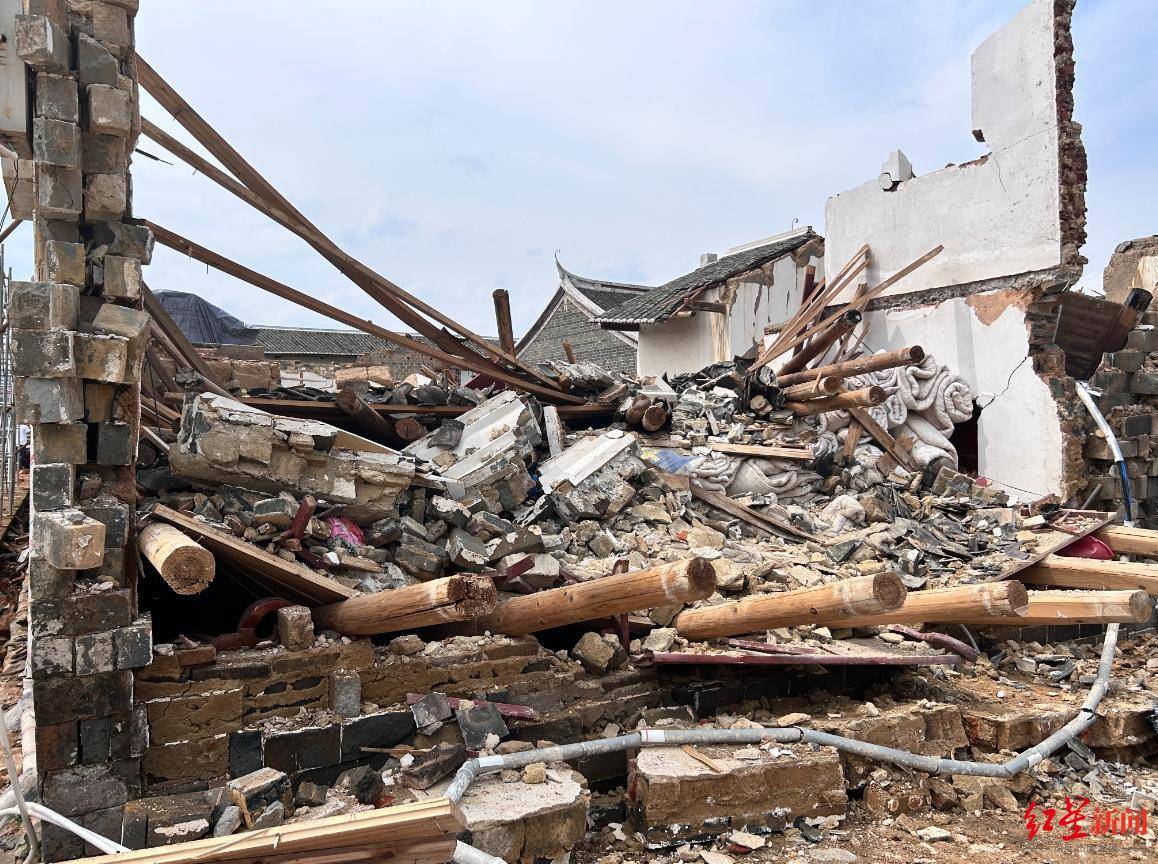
x=69, y=540
x=597, y=653
x=295, y=627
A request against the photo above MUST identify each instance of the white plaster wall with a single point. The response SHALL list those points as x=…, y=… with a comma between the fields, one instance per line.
x=689, y=344
x=997, y=216
x=1019, y=436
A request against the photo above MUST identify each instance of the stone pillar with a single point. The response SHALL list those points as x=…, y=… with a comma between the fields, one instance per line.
x=78, y=335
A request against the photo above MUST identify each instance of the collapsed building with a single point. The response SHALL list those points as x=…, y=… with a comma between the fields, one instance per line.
x=793, y=573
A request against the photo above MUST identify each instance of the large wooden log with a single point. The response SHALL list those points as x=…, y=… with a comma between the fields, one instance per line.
x=1130, y=541
x=1064, y=572
x=503, y=320
x=828, y=385
x=852, y=399
x=860, y=366
x=662, y=585
x=1077, y=607
x=373, y=423
x=847, y=599
x=947, y=605
x=186, y=566
x=452, y=598
x=840, y=327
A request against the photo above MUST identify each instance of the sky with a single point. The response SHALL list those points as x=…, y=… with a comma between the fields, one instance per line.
x=458, y=147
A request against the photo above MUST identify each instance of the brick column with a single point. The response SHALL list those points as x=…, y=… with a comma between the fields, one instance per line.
x=78, y=337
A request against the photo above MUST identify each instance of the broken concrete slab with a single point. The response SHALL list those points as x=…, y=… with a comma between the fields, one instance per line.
x=223, y=441
x=588, y=480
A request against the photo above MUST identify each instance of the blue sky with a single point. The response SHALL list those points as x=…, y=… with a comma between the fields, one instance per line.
x=456, y=146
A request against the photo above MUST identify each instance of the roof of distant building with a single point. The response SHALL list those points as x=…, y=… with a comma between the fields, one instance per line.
x=659, y=304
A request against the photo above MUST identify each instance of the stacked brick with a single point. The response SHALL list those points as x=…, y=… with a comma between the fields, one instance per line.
x=78, y=337
x=1128, y=380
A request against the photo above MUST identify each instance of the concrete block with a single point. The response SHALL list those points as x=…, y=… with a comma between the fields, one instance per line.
x=115, y=444
x=43, y=306
x=375, y=730
x=64, y=262
x=56, y=142
x=68, y=540
x=103, y=154
x=109, y=112
x=302, y=749
x=57, y=98
x=105, y=197
x=114, y=515
x=673, y=788
x=95, y=654
x=48, y=400
x=43, y=354
x=131, y=241
x=51, y=655
x=295, y=627
x=95, y=64
x=46, y=582
x=122, y=278
x=110, y=26
x=59, y=192
x=102, y=358
x=133, y=645
x=114, y=320
x=52, y=486
x=41, y=43
x=1145, y=383
x=346, y=693
x=99, y=400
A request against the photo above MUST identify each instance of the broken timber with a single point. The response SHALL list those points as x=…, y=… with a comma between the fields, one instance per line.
x=287, y=578
x=186, y=566
x=1077, y=607
x=1130, y=541
x=848, y=599
x=373, y=423
x=424, y=832
x=440, y=601
x=206, y=256
x=1065, y=572
x=866, y=397
x=662, y=585
x=860, y=366
x=765, y=521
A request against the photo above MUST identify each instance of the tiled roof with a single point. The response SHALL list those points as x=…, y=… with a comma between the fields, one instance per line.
x=661, y=303
x=602, y=293
x=309, y=340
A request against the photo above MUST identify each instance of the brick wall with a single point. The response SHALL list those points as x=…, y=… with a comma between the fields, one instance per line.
x=589, y=341
x=78, y=333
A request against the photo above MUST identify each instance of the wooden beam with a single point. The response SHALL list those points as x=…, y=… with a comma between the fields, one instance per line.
x=838, y=327
x=1130, y=541
x=424, y=832
x=884, y=440
x=568, y=351
x=371, y=422
x=287, y=578
x=947, y=605
x=452, y=598
x=764, y=451
x=180, y=244
x=186, y=566
x=846, y=600
x=851, y=440
x=391, y=296
x=7, y=232
x=841, y=402
x=661, y=585
x=1076, y=607
x=765, y=521
x=828, y=385
x=706, y=306
x=506, y=330
x=1064, y=572
x=860, y=366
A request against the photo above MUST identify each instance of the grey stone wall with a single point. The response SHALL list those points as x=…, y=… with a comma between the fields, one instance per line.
x=589, y=341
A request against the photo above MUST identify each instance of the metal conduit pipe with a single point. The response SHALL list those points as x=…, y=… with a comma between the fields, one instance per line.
x=1085, y=717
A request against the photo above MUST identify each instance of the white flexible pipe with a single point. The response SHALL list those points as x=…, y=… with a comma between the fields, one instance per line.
x=18, y=793
x=104, y=844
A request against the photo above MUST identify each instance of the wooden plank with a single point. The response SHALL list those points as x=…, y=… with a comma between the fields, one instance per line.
x=882, y=437
x=425, y=831
x=764, y=451
x=199, y=253
x=764, y=521
x=390, y=295
x=284, y=576
x=851, y=440
x=1078, y=524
